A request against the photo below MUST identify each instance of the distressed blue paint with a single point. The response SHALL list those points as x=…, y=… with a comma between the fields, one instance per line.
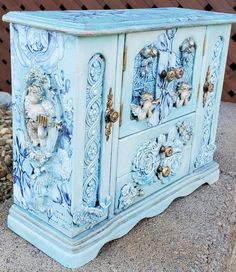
x=91, y=212
x=155, y=96
x=149, y=157
x=74, y=189
x=208, y=147
x=96, y=68
x=42, y=166
x=118, y=21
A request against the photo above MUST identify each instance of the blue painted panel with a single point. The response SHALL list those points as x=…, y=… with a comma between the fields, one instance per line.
x=213, y=69
x=150, y=97
x=117, y=21
x=147, y=168
x=42, y=86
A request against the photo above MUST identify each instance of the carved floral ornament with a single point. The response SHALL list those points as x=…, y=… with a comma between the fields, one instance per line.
x=156, y=160
x=207, y=144
x=162, y=78
x=43, y=118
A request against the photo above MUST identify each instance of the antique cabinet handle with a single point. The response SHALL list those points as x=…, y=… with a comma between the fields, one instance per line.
x=111, y=116
x=168, y=150
x=207, y=87
x=164, y=170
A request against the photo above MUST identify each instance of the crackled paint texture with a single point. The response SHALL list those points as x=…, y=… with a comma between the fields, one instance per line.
x=162, y=78
x=208, y=147
x=43, y=124
x=149, y=157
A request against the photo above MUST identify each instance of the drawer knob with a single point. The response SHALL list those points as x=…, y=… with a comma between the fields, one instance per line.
x=163, y=74
x=164, y=170
x=111, y=115
x=168, y=150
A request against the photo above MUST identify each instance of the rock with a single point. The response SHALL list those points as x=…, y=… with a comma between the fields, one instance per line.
x=3, y=170
x=5, y=130
x=8, y=160
x=9, y=141
x=9, y=177
x=2, y=142
x=6, y=180
x=5, y=99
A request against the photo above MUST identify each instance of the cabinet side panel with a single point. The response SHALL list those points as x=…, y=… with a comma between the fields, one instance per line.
x=97, y=97
x=43, y=81
x=214, y=60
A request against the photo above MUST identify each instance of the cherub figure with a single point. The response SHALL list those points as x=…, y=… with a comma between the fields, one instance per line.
x=146, y=106
x=39, y=111
x=183, y=90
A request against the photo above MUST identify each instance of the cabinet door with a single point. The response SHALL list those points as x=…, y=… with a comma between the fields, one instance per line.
x=217, y=40
x=93, y=136
x=161, y=76
x=151, y=160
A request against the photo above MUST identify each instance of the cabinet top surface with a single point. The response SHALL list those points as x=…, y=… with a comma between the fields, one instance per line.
x=100, y=22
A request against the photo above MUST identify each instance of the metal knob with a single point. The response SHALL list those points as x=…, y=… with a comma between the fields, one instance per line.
x=164, y=170
x=208, y=86
x=112, y=116
x=168, y=150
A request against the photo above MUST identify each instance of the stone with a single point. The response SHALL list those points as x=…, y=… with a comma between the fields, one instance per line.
x=3, y=170
x=8, y=160
x=9, y=141
x=5, y=130
x=2, y=142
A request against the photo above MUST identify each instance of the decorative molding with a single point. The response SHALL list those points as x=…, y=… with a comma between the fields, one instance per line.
x=159, y=87
x=89, y=216
x=96, y=68
x=36, y=47
x=91, y=212
x=156, y=160
x=207, y=145
x=43, y=125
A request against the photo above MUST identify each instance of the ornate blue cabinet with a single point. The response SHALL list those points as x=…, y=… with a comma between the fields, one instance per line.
x=114, y=116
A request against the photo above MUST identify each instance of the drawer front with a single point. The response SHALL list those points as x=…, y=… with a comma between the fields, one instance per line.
x=151, y=160
x=161, y=77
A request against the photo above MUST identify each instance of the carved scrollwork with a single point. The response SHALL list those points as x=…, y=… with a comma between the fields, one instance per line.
x=156, y=160
x=207, y=145
x=89, y=216
x=92, y=209
x=158, y=87
x=96, y=68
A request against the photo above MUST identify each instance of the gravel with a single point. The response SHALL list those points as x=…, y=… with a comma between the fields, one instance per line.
x=5, y=153
x=195, y=234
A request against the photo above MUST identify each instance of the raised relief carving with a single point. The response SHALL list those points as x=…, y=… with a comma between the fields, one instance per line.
x=207, y=144
x=156, y=160
x=158, y=85
x=40, y=112
x=43, y=118
x=92, y=209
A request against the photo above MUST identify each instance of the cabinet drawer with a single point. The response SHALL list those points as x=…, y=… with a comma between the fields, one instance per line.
x=161, y=77
x=151, y=160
